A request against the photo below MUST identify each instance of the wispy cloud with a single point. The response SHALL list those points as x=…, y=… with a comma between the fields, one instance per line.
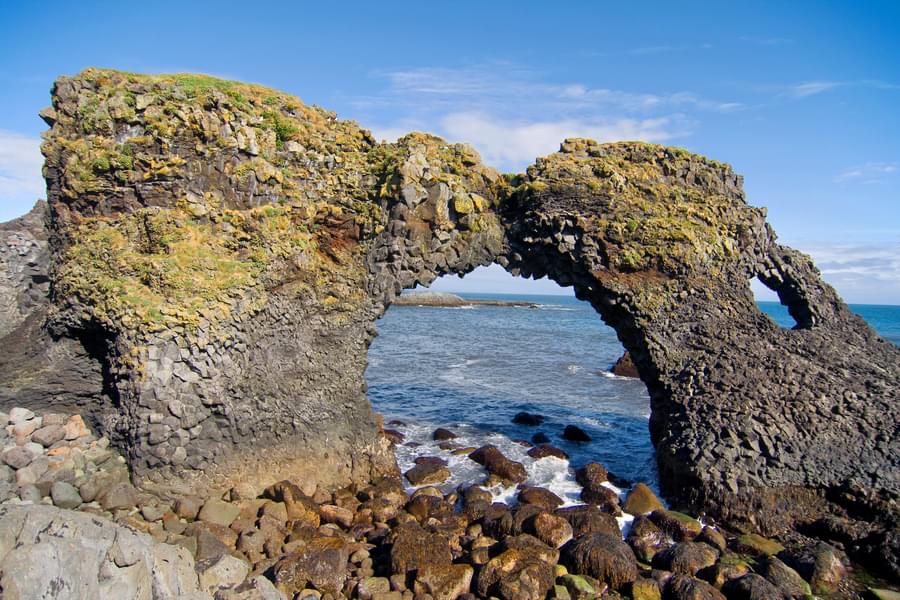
x=509, y=142
x=21, y=182
x=813, y=88
x=868, y=273
x=512, y=114
x=872, y=172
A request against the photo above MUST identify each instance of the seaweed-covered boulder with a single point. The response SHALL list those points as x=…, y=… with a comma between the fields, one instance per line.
x=602, y=556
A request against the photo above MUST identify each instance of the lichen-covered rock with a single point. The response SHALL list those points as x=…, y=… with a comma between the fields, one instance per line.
x=641, y=500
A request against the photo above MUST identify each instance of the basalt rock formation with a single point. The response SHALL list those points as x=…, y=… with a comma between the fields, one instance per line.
x=219, y=253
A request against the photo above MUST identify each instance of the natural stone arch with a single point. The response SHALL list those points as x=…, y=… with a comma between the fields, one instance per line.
x=220, y=252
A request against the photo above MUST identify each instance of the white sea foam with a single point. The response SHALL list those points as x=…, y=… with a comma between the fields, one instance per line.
x=552, y=473
x=573, y=369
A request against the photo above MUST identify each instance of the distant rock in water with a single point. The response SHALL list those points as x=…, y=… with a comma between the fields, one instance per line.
x=625, y=367
x=575, y=434
x=525, y=418
x=443, y=300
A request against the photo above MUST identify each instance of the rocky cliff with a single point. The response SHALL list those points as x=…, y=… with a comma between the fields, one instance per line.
x=219, y=253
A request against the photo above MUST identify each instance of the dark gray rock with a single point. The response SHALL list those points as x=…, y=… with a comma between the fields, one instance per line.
x=65, y=495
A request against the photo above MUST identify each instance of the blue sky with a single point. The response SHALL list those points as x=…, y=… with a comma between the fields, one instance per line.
x=800, y=97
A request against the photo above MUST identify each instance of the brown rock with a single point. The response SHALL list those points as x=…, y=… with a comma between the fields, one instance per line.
x=646, y=539
x=445, y=582
x=729, y=566
x=603, y=556
x=515, y=575
x=751, y=587
x=219, y=512
x=321, y=563
x=393, y=436
x=685, y=558
x=413, y=548
x=430, y=460
x=541, y=497
x=120, y=495
x=337, y=515
x=75, y=428
x=821, y=565
x=496, y=463
x=589, y=519
x=679, y=525
x=684, y=587
x=188, y=507
x=591, y=474
x=625, y=367
x=712, y=538
x=786, y=579
x=641, y=500
x=440, y=434
x=300, y=507
x=551, y=529
x=546, y=450
x=276, y=510
x=48, y=435
x=427, y=474
x=756, y=545
x=644, y=588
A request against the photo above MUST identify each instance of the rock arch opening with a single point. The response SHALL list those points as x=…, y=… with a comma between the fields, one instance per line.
x=473, y=368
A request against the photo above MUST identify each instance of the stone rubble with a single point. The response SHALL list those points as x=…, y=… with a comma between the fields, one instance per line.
x=374, y=542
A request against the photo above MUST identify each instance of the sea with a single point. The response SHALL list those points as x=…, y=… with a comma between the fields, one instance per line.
x=472, y=369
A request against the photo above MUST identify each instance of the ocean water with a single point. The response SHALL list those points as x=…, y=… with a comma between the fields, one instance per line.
x=472, y=369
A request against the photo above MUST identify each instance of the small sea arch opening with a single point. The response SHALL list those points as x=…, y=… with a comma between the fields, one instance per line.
x=533, y=349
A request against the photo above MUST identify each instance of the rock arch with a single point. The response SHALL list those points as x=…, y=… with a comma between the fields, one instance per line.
x=220, y=252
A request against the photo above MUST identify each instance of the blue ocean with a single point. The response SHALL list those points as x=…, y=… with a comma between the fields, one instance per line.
x=472, y=369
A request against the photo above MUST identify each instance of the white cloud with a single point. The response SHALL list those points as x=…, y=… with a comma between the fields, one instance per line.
x=512, y=113
x=872, y=172
x=21, y=182
x=517, y=144
x=811, y=88
x=863, y=273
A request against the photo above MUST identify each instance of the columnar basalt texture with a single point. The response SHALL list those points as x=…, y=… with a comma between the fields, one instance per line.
x=219, y=253
x=764, y=427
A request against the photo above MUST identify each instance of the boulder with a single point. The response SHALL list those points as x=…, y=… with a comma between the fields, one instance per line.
x=756, y=545
x=820, y=564
x=680, y=526
x=573, y=433
x=786, y=579
x=524, y=418
x=603, y=556
x=497, y=464
x=646, y=539
x=48, y=552
x=442, y=435
x=625, y=367
x=219, y=512
x=545, y=451
x=644, y=588
x=321, y=563
x=551, y=529
x=589, y=519
x=48, y=435
x=641, y=500
x=427, y=474
x=224, y=571
x=539, y=496
x=685, y=587
x=65, y=495
x=515, y=575
x=445, y=582
x=685, y=558
x=413, y=548
x=750, y=587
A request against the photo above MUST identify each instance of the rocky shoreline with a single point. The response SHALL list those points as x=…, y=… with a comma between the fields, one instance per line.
x=444, y=300
x=380, y=541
